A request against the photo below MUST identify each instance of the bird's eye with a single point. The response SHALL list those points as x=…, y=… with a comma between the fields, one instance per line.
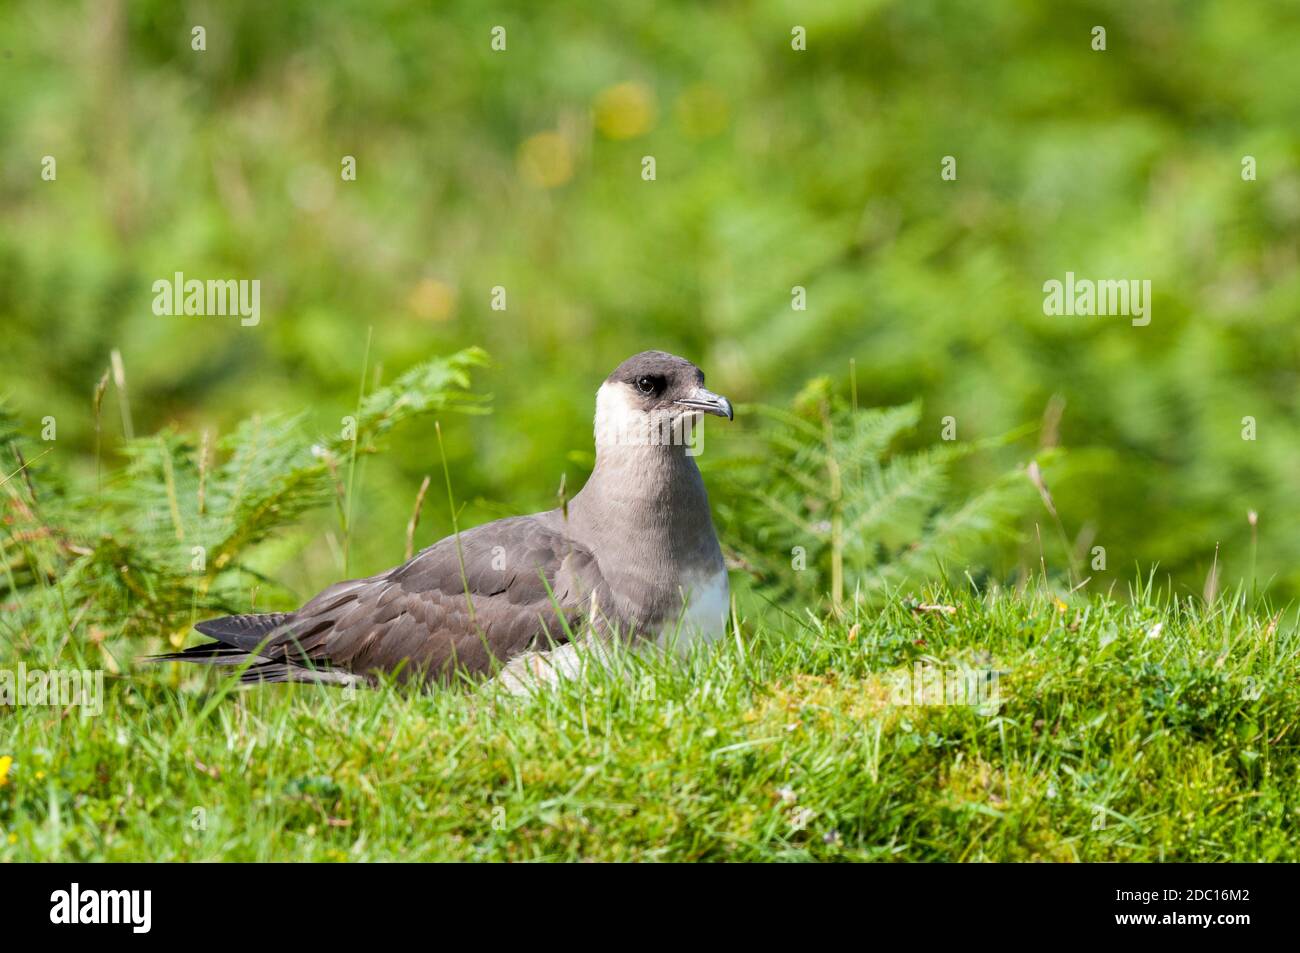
x=646, y=385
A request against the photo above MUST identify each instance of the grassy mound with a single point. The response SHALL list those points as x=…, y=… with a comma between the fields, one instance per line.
x=1085, y=731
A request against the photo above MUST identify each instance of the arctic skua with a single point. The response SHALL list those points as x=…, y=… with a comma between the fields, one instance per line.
x=632, y=559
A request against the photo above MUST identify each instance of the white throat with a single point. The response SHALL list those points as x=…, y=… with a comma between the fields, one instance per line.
x=621, y=425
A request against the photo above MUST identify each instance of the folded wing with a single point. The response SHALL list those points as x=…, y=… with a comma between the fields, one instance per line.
x=466, y=604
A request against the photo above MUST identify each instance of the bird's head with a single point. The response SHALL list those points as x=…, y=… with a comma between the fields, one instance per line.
x=654, y=398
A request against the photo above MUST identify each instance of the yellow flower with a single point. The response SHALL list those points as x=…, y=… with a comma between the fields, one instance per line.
x=5, y=763
x=546, y=159
x=432, y=300
x=625, y=111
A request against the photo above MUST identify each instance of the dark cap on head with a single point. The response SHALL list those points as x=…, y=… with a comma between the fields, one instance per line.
x=659, y=363
x=663, y=381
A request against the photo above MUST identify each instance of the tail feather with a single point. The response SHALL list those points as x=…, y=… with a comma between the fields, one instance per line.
x=210, y=653
x=238, y=639
x=245, y=632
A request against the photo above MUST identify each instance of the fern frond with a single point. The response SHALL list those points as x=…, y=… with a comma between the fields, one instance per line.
x=152, y=548
x=829, y=489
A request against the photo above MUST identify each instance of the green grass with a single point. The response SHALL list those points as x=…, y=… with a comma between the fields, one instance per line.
x=1113, y=740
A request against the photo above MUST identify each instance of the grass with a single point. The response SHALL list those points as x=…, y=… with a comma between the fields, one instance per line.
x=1136, y=731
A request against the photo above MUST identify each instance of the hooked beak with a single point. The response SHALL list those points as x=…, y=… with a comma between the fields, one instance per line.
x=709, y=402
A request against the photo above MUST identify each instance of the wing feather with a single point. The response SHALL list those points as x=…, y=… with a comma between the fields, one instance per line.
x=511, y=585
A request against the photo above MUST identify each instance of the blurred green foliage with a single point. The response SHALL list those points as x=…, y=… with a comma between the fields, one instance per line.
x=522, y=169
x=181, y=530
x=824, y=496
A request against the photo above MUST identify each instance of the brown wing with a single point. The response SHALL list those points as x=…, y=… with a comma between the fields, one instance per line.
x=526, y=581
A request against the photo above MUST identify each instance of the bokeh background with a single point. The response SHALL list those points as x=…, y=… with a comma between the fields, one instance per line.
x=775, y=168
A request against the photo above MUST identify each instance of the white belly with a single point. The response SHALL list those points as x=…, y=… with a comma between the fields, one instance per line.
x=703, y=619
x=707, y=601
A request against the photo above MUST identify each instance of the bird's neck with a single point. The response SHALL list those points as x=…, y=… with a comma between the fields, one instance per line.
x=650, y=500
x=647, y=487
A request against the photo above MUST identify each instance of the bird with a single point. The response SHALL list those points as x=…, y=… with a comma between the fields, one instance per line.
x=632, y=559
